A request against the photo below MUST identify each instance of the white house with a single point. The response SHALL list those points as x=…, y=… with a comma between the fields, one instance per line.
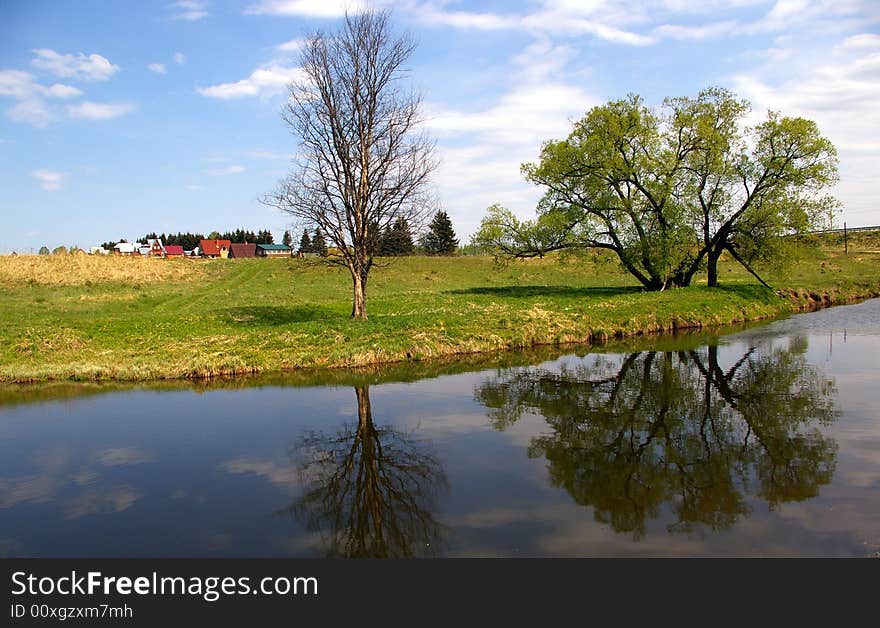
x=125, y=248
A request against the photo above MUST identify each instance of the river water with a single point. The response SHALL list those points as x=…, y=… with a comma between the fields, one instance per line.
x=760, y=442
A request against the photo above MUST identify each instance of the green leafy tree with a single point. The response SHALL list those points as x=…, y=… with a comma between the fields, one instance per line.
x=59, y=250
x=669, y=191
x=44, y=250
x=440, y=239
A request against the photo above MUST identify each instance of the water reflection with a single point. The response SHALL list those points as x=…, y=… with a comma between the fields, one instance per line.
x=678, y=431
x=371, y=489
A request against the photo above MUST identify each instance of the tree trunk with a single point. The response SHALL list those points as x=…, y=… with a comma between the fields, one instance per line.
x=359, y=303
x=712, y=267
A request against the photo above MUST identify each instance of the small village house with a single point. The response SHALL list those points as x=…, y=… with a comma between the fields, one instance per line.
x=173, y=250
x=239, y=250
x=215, y=248
x=126, y=248
x=273, y=250
x=155, y=248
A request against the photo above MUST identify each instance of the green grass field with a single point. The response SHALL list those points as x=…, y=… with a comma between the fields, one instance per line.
x=130, y=319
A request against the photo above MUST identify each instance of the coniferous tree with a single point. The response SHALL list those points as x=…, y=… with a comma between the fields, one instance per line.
x=305, y=243
x=440, y=239
x=286, y=240
x=397, y=239
x=319, y=246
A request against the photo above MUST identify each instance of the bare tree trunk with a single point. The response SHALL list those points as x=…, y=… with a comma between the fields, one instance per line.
x=359, y=302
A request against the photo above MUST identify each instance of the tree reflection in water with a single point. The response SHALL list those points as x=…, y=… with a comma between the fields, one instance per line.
x=675, y=430
x=370, y=491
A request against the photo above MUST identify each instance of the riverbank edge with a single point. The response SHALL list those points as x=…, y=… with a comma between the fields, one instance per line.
x=787, y=301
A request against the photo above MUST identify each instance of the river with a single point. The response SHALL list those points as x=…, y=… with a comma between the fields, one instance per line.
x=760, y=442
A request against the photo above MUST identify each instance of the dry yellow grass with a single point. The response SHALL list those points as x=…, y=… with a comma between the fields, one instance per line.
x=77, y=270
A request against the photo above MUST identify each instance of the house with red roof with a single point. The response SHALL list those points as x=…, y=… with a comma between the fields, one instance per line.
x=173, y=250
x=214, y=248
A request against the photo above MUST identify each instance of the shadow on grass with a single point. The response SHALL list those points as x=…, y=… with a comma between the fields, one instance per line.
x=521, y=292
x=271, y=315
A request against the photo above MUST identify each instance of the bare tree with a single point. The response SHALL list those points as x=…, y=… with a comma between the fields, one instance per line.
x=363, y=160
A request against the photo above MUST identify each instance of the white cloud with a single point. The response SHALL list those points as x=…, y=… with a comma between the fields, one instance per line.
x=481, y=151
x=528, y=114
x=228, y=170
x=292, y=46
x=618, y=21
x=647, y=22
x=542, y=59
x=158, y=68
x=21, y=85
x=830, y=15
x=841, y=95
x=862, y=40
x=179, y=58
x=267, y=154
x=33, y=111
x=553, y=18
x=698, y=32
x=50, y=180
x=264, y=82
x=99, y=111
x=189, y=10
x=16, y=83
x=82, y=67
x=309, y=8
x=57, y=90
x=32, y=107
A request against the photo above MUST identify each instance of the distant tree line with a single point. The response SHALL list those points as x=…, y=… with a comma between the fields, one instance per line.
x=396, y=240
x=264, y=236
x=190, y=240
x=187, y=240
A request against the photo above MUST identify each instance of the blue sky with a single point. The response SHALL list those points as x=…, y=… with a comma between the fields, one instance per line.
x=120, y=118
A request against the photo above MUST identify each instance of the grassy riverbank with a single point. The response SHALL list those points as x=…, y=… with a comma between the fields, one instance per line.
x=92, y=318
